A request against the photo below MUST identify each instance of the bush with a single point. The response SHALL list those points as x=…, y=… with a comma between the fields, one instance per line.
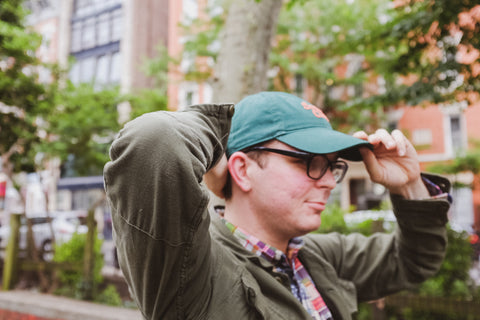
x=73, y=252
x=109, y=296
x=332, y=220
x=73, y=283
x=452, y=280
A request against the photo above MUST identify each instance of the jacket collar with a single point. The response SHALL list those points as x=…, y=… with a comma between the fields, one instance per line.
x=223, y=235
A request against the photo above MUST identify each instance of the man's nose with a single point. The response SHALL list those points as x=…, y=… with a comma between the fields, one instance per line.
x=328, y=180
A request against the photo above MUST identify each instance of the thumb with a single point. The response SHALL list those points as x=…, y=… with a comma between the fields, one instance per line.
x=371, y=163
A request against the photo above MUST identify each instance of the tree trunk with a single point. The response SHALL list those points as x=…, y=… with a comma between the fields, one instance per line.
x=242, y=63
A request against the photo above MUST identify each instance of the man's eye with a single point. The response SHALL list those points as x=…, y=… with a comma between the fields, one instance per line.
x=301, y=161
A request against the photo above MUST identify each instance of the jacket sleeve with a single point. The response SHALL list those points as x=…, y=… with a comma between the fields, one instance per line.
x=159, y=206
x=382, y=264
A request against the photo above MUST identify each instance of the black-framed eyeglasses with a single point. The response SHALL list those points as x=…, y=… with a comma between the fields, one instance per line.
x=317, y=164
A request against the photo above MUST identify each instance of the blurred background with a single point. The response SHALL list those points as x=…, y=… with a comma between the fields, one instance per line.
x=74, y=71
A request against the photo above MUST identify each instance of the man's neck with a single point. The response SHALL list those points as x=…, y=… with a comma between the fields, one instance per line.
x=249, y=222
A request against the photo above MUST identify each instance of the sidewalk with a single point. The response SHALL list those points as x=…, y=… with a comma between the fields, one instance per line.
x=18, y=304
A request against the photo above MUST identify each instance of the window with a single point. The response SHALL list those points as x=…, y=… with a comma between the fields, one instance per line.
x=96, y=36
x=82, y=6
x=37, y=5
x=422, y=137
x=75, y=73
x=456, y=132
x=103, y=66
x=188, y=62
x=116, y=68
x=299, y=84
x=189, y=98
x=187, y=94
x=87, y=71
x=190, y=10
x=116, y=20
x=215, y=9
x=76, y=41
x=392, y=125
x=103, y=29
x=357, y=191
x=88, y=33
x=101, y=70
x=97, y=30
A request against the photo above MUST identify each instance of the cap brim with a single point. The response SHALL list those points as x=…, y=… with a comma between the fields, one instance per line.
x=323, y=141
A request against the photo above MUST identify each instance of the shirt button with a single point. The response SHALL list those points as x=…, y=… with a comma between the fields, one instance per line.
x=231, y=111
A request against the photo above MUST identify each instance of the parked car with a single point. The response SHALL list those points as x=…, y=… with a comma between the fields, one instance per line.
x=356, y=217
x=63, y=224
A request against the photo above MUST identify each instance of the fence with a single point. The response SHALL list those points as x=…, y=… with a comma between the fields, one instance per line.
x=436, y=305
x=13, y=264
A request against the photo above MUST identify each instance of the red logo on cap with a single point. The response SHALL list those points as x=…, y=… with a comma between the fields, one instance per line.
x=315, y=110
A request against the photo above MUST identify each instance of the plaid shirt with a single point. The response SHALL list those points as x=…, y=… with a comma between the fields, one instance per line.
x=301, y=283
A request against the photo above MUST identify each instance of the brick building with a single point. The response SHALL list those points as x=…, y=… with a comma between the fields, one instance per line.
x=440, y=133
x=110, y=40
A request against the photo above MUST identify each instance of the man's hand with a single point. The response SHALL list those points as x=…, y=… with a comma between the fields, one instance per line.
x=393, y=163
x=216, y=177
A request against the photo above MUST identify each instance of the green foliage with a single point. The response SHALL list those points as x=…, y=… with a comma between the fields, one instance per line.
x=332, y=220
x=109, y=296
x=73, y=252
x=468, y=161
x=81, y=127
x=315, y=50
x=453, y=279
x=39, y=120
x=364, y=227
x=382, y=41
x=157, y=69
x=147, y=100
x=201, y=35
x=72, y=282
x=22, y=98
x=374, y=39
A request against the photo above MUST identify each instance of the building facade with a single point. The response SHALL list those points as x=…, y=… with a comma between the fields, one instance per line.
x=108, y=41
x=441, y=133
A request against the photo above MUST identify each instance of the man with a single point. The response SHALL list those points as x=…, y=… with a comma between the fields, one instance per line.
x=277, y=170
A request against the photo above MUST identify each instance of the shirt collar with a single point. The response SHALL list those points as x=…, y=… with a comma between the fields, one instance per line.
x=262, y=249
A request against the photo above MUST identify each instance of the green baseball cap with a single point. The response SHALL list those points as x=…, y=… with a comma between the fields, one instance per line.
x=285, y=117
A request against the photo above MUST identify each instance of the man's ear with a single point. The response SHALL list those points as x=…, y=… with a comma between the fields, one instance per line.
x=237, y=166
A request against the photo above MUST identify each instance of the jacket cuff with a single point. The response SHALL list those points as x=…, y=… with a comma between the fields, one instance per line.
x=426, y=211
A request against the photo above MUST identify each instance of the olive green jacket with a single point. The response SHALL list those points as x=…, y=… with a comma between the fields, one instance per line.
x=181, y=262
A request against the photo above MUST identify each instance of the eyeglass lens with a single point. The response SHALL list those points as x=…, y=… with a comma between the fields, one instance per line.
x=319, y=166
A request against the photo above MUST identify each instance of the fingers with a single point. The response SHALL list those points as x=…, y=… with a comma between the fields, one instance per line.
x=391, y=142
x=361, y=135
x=400, y=141
x=371, y=163
x=216, y=177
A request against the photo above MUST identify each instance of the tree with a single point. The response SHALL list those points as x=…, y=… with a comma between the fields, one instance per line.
x=152, y=99
x=23, y=100
x=312, y=51
x=243, y=60
x=469, y=161
x=434, y=39
x=80, y=128
x=360, y=58
x=430, y=45
x=75, y=123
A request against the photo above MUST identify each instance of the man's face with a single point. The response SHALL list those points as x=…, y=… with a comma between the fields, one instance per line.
x=287, y=201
